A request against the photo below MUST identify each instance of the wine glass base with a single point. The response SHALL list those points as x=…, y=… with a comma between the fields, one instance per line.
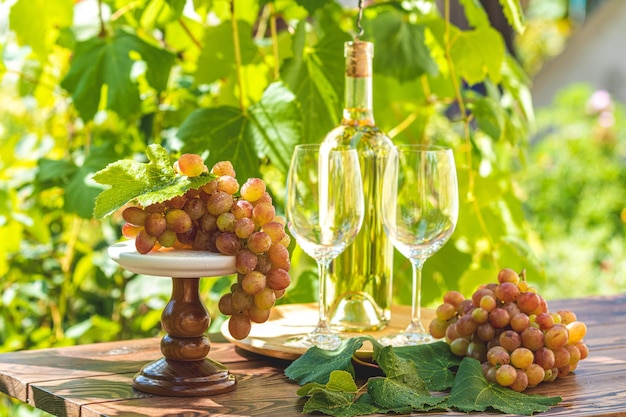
x=326, y=341
x=407, y=339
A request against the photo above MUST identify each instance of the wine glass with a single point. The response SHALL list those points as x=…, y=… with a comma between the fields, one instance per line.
x=420, y=211
x=324, y=210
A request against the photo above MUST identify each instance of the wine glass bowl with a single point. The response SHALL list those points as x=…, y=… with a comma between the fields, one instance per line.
x=324, y=210
x=420, y=211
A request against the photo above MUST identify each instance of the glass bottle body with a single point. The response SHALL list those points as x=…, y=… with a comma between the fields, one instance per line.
x=360, y=279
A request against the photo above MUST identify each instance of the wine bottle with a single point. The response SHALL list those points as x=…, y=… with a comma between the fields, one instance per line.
x=359, y=282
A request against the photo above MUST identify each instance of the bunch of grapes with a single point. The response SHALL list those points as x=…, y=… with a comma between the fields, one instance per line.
x=221, y=217
x=507, y=327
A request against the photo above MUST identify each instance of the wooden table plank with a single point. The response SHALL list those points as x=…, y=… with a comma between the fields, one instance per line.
x=94, y=380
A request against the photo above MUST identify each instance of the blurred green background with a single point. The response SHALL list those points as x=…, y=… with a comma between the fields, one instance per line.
x=85, y=83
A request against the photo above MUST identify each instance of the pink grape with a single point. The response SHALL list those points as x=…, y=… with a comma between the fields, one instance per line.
x=190, y=165
x=259, y=242
x=223, y=168
x=278, y=279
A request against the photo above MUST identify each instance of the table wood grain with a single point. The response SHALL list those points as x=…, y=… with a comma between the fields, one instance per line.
x=95, y=380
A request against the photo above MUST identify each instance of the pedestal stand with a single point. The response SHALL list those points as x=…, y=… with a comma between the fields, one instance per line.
x=184, y=370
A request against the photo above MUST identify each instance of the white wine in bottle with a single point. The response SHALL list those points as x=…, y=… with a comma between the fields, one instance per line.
x=359, y=287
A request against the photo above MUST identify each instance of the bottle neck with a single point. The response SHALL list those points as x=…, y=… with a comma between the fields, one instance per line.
x=358, y=96
x=358, y=102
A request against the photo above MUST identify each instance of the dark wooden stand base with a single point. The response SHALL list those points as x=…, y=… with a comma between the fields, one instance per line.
x=184, y=370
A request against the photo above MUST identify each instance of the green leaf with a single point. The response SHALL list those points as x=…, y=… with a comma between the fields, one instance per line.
x=475, y=13
x=338, y=404
x=146, y=183
x=316, y=364
x=433, y=361
x=316, y=76
x=489, y=115
x=472, y=392
x=217, y=59
x=478, y=54
x=276, y=125
x=312, y=6
x=514, y=15
x=401, y=50
x=36, y=23
x=100, y=62
x=402, y=390
x=338, y=381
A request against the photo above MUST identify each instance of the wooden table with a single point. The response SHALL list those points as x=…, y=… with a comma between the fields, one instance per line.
x=95, y=380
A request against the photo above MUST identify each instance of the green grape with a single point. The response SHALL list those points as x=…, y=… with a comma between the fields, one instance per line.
x=253, y=283
x=178, y=221
x=522, y=358
x=506, y=375
x=226, y=222
x=445, y=311
x=167, y=239
x=253, y=189
x=265, y=299
x=259, y=242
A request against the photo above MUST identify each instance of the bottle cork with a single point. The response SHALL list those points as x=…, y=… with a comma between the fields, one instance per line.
x=359, y=55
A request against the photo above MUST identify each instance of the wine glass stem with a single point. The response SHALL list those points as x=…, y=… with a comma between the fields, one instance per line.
x=416, y=297
x=322, y=267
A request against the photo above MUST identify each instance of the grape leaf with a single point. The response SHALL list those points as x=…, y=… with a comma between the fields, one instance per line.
x=40, y=30
x=337, y=381
x=402, y=389
x=472, y=392
x=217, y=59
x=514, y=14
x=276, y=125
x=477, y=54
x=316, y=76
x=489, y=115
x=100, y=62
x=338, y=404
x=475, y=13
x=316, y=364
x=221, y=130
x=146, y=183
x=403, y=53
x=269, y=129
x=433, y=361
x=312, y=6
